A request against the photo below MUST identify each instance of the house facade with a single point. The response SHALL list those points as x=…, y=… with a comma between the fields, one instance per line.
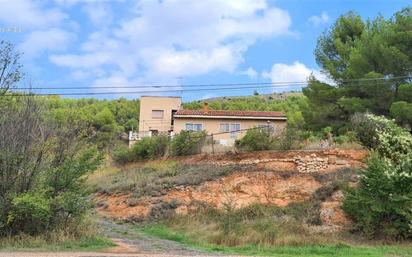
x=164, y=115
x=227, y=126
x=156, y=114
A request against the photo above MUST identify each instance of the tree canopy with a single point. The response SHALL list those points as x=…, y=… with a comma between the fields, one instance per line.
x=370, y=64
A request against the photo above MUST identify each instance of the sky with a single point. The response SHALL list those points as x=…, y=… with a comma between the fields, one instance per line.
x=118, y=43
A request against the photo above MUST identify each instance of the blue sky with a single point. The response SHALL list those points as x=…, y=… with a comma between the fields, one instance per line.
x=74, y=43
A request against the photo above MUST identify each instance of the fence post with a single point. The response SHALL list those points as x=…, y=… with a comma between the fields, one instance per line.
x=213, y=144
x=169, y=150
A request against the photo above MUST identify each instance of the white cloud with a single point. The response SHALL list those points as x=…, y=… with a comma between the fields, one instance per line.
x=99, y=13
x=39, y=41
x=29, y=14
x=168, y=39
x=296, y=72
x=153, y=42
x=250, y=72
x=43, y=27
x=318, y=20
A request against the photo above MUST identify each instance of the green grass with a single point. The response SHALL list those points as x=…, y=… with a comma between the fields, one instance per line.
x=335, y=250
x=27, y=243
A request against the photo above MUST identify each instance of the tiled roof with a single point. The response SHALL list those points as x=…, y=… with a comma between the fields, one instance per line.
x=230, y=113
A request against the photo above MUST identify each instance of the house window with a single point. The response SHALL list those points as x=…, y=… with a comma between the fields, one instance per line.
x=157, y=114
x=194, y=127
x=270, y=127
x=234, y=130
x=224, y=127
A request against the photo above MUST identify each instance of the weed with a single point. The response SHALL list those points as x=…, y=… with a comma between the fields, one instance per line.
x=83, y=237
x=163, y=210
x=155, y=178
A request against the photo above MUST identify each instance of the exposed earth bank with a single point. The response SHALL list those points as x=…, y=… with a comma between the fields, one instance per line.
x=275, y=178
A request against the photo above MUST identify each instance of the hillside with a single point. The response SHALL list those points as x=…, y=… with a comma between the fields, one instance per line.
x=304, y=186
x=292, y=104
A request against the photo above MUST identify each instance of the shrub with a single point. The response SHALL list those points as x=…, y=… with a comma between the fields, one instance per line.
x=383, y=135
x=30, y=212
x=381, y=206
x=145, y=149
x=255, y=140
x=349, y=137
x=288, y=139
x=43, y=162
x=149, y=148
x=187, y=143
x=122, y=155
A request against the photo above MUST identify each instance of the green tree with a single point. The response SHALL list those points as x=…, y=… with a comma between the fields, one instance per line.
x=369, y=62
x=405, y=92
x=402, y=112
x=10, y=67
x=42, y=166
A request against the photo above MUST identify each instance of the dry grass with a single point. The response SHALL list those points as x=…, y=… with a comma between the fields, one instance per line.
x=83, y=237
x=260, y=225
x=153, y=178
x=323, y=144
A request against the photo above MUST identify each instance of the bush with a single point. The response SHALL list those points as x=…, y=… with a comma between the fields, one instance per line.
x=30, y=212
x=187, y=143
x=383, y=135
x=150, y=148
x=255, y=140
x=145, y=149
x=122, y=155
x=349, y=137
x=381, y=205
x=288, y=139
x=43, y=162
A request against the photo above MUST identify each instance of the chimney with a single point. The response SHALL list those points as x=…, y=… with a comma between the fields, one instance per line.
x=205, y=107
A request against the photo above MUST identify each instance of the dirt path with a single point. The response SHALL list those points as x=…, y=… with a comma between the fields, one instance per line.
x=131, y=240
x=83, y=254
x=130, y=243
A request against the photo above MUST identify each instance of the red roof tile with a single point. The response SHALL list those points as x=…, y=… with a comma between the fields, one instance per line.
x=230, y=113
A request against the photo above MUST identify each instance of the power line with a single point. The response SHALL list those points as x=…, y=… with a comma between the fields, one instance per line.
x=145, y=92
x=154, y=86
x=167, y=86
x=379, y=81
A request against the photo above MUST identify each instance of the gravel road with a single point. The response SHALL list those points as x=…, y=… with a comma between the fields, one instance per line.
x=130, y=243
x=125, y=236
x=84, y=254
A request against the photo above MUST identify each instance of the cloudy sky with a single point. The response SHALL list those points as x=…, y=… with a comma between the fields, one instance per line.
x=98, y=43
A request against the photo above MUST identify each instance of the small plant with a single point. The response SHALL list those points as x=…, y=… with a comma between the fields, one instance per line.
x=256, y=140
x=288, y=139
x=145, y=149
x=150, y=148
x=122, y=155
x=187, y=143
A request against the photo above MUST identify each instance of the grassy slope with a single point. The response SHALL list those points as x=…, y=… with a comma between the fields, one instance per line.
x=338, y=250
x=39, y=244
x=202, y=231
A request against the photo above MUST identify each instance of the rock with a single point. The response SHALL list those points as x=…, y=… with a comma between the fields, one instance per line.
x=102, y=204
x=181, y=210
x=341, y=162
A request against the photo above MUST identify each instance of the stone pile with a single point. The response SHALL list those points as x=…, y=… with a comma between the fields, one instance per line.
x=253, y=161
x=309, y=164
